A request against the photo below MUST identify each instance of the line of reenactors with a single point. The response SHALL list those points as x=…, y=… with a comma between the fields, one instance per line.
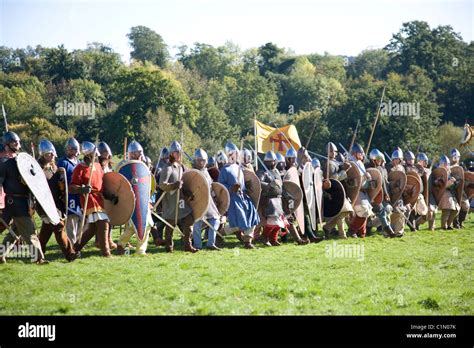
x=291, y=196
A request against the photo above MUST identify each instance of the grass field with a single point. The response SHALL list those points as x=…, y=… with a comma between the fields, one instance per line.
x=423, y=273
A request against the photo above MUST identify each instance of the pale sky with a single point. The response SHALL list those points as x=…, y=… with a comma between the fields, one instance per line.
x=339, y=27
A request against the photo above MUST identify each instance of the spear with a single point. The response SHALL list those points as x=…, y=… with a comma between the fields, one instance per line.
x=91, y=170
x=375, y=121
x=125, y=148
x=5, y=118
x=354, y=135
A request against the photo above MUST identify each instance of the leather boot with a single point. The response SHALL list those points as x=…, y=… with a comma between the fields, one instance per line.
x=462, y=217
x=444, y=218
x=102, y=237
x=112, y=245
x=157, y=240
x=452, y=216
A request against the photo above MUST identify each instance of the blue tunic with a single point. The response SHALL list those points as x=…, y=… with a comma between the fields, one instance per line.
x=242, y=212
x=74, y=206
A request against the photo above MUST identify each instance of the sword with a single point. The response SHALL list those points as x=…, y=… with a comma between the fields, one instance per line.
x=189, y=157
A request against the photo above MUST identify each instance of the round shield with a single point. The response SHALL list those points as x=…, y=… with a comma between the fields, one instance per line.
x=221, y=197
x=121, y=212
x=352, y=183
x=310, y=199
x=397, y=182
x=318, y=193
x=292, y=197
x=333, y=199
x=33, y=176
x=412, y=188
x=196, y=192
x=469, y=184
x=458, y=173
x=293, y=176
x=252, y=186
x=376, y=185
x=439, y=175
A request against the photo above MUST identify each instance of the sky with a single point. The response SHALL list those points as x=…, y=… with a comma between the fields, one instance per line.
x=339, y=27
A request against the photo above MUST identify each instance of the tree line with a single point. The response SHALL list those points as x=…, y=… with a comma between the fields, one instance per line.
x=207, y=95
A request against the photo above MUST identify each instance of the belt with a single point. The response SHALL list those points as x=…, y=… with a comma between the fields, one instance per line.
x=17, y=195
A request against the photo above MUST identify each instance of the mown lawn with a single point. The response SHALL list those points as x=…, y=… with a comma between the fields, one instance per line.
x=423, y=273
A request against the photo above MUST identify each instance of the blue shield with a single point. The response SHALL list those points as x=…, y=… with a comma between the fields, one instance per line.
x=140, y=178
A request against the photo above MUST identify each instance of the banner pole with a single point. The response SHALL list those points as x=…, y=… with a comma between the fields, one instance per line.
x=256, y=141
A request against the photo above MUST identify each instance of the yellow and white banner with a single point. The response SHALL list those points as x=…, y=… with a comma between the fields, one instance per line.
x=270, y=138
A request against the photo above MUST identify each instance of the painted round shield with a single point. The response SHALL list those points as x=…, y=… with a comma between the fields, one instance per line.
x=412, y=188
x=397, y=182
x=33, y=175
x=440, y=175
x=458, y=173
x=318, y=193
x=120, y=213
x=352, y=183
x=310, y=199
x=221, y=197
x=376, y=185
x=469, y=183
x=333, y=199
x=293, y=176
x=252, y=186
x=139, y=177
x=196, y=192
x=292, y=197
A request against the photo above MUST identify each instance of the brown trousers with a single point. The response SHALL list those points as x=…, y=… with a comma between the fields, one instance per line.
x=61, y=238
x=185, y=226
x=100, y=228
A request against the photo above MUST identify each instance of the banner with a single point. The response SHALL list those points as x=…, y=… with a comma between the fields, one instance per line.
x=270, y=138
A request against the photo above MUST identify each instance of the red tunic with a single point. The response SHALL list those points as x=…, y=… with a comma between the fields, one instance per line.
x=80, y=176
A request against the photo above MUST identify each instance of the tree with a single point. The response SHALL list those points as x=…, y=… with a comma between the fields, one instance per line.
x=140, y=89
x=304, y=88
x=157, y=131
x=148, y=46
x=270, y=58
x=23, y=97
x=209, y=61
x=63, y=65
x=373, y=62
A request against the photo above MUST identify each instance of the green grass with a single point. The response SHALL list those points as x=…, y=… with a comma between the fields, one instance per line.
x=423, y=273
